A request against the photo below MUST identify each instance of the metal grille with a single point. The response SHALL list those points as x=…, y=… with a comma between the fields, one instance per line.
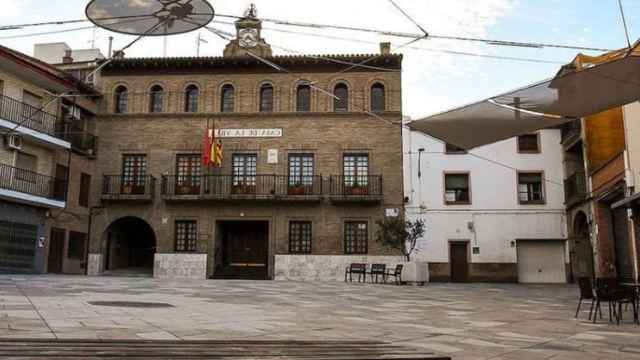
x=192, y=94
x=17, y=247
x=134, y=170
x=303, y=98
x=244, y=169
x=356, y=170
x=266, y=98
x=188, y=170
x=378, y=98
x=530, y=188
x=228, y=99
x=356, y=237
x=186, y=236
x=300, y=234
x=301, y=169
x=341, y=102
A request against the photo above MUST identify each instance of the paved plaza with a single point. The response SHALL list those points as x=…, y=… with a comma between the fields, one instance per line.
x=463, y=321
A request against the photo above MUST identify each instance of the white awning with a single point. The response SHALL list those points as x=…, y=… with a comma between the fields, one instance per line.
x=587, y=86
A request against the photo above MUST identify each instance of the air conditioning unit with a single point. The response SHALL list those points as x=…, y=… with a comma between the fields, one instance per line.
x=13, y=142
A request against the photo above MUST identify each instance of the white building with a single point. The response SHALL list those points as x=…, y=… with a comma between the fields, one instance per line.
x=494, y=214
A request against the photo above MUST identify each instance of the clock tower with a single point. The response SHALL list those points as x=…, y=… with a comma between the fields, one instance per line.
x=248, y=37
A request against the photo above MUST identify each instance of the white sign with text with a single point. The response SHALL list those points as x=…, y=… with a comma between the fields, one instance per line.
x=248, y=133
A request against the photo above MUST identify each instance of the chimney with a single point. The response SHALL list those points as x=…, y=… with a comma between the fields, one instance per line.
x=67, y=59
x=385, y=48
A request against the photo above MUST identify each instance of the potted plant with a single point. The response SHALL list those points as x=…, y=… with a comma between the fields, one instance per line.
x=297, y=189
x=399, y=234
x=357, y=189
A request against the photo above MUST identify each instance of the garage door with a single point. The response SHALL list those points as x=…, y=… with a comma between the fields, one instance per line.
x=541, y=262
x=17, y=248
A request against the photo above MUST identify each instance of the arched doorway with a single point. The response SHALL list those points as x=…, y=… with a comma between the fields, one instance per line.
x=583, y=251
x=130, y=247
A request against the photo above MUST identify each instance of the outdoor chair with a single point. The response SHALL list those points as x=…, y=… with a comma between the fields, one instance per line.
x=586, y=293
x=378, y=270
x=396, y=274
x=628, y=296
x=607, y=290
x=358, y=269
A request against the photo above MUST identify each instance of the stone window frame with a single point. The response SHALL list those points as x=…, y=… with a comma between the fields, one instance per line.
x=387, y=91
x=384, y=99
x=190, y=245
x=259, y=89
x=116, y=100
x=165, y=98
x=220, y=100
x=185, y=104
x=294, y=95
x=334, y=103
x=357, y=222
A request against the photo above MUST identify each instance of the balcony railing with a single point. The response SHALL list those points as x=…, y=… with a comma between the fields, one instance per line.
x=239, y=187
x=28, y=182
x=571, y=132
x=80, y=139
x=358, y=188
x=120, y=187
x=28, y=116
x=575, y=188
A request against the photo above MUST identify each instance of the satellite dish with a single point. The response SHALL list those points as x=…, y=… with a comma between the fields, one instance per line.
x=150, y=17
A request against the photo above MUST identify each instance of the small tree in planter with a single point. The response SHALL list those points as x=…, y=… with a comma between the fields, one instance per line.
x=399, y=234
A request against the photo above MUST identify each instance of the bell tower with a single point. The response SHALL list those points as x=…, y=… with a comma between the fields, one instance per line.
x=248, y=37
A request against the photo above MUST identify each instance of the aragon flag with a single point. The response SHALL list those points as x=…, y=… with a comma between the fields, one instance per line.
x=216, y=151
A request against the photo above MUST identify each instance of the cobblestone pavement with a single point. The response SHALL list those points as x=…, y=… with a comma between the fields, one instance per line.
x=464, y=321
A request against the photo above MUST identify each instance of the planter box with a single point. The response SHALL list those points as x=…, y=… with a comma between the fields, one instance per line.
x=416, y=272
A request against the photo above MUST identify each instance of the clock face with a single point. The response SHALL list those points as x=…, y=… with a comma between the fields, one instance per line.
x=248, y=38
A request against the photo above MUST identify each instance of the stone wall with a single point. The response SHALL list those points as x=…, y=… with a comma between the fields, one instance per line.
x=323, y=268
x=180, y=266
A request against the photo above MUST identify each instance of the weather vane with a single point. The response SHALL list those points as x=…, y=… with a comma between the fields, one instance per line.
x=252, y=12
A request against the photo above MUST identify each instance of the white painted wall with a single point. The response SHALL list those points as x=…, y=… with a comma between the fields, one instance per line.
x=499, y=220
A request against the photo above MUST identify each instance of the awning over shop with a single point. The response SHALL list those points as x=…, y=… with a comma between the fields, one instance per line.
x=586, y=86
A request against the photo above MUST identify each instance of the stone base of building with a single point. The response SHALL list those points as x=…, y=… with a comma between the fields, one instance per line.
x=478, y=272
x=323, y=267
x=95, y=265
x=180, y=266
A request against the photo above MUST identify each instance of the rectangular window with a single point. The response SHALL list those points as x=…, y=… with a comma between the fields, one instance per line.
x=356, y=170
x=529, y=143
x=77, y=243
x=457, y=189
x=244, y=169
x=28, y=165
x=356, y=237
x=454, y=150
x=186, y=236
x=85, y=189
x=134, y=170
x=301, y=169
x=530, y=188
x=188, y=173
x=300, y=233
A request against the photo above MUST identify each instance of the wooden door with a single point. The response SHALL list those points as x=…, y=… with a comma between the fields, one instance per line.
x=56, y=250
x=247, y=244
x=459, y=254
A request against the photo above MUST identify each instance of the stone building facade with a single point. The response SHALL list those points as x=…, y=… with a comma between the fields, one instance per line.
x=312, y=159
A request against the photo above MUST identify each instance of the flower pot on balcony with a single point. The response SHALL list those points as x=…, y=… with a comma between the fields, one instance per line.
x=243, y=189
x=127, y=189
x=187, y=190
x=358, y=190
x=297, y=190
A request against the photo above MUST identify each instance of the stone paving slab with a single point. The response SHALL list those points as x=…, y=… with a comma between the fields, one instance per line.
x=464, y=321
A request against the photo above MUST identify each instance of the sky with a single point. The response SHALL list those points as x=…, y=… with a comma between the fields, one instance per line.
x=433, y=81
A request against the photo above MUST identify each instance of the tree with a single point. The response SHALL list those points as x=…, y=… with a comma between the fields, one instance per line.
x=398, y=234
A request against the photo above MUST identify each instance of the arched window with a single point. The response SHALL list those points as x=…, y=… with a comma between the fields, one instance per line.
x=341, y=100
x=378, y=98
x=191, y=97
x=266, y=98
x=303, y=98
x=156, y=99
x=228, y=99
x=121, y=99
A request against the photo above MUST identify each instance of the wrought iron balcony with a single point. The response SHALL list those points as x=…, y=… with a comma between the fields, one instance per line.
x=575, y=188
x=81, y=140
x=128, y=188
x=31, y=183
x=28, y=116
x=355, y=188
x=242, y=187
